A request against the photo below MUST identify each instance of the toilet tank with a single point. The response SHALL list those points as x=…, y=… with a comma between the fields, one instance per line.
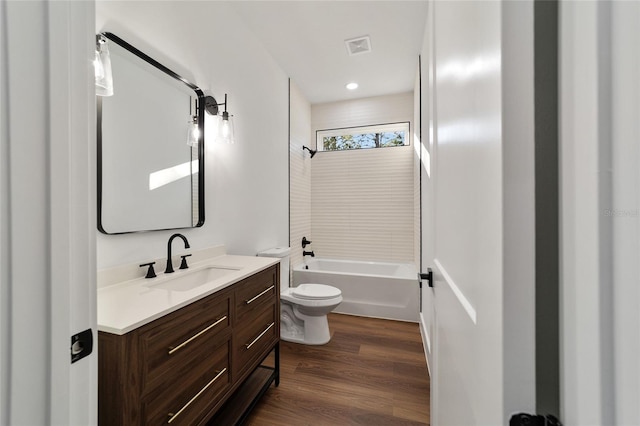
x=283, y=254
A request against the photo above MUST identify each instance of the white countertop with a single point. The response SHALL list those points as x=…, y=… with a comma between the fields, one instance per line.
x=127, y=305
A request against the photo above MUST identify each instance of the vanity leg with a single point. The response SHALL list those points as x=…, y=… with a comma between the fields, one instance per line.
x=277, y=348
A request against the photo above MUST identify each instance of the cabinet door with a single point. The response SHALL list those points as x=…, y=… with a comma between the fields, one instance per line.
x=254, y=293
x=252, y=340
x=189, y=399
x=171, y=345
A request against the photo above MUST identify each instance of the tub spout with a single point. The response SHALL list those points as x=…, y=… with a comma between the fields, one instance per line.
x=308, y=253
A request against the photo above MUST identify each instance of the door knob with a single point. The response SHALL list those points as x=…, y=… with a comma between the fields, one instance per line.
x=428, y=277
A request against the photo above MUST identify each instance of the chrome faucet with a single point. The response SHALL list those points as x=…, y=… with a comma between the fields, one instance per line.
x=169, y=268
x=308, y=253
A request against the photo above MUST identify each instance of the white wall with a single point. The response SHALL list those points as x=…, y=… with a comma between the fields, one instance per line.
x=246, y=183
x=600, y=213
x=362, y=204
x=362, y=112
x=625, y=197
x=300, y=179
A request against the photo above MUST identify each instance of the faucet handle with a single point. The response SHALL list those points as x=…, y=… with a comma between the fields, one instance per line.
x=305, y=242
x=151, y=273
x=183, y=264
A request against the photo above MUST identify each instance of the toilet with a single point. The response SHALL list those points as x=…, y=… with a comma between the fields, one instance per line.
x=303, y=309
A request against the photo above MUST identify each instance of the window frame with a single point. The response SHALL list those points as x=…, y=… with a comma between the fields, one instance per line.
x=374, y=128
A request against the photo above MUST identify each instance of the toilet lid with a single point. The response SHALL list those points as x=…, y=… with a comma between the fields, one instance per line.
x=316, y=291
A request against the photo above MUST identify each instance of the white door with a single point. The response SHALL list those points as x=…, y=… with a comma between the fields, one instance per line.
x=478, y=200
x=47, y=213
x=600, y=213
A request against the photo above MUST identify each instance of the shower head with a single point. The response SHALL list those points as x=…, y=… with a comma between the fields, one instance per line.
x=311, y=151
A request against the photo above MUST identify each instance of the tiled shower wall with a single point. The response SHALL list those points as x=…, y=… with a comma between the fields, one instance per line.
x=300, y=170
x=363, y=201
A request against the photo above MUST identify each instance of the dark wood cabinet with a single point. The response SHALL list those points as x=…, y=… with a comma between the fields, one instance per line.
x=189, y=365
x=257, y=325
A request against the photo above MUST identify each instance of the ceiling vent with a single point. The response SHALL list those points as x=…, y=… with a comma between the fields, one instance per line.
x=358, y=45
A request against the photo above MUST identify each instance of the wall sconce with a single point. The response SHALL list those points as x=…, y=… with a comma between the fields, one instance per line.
x=193, y=132
x=102, y=67
x=225, y=120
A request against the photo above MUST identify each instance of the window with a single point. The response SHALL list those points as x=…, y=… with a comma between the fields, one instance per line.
x=376, y=136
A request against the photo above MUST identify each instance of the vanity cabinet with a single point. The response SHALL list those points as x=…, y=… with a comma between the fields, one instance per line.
x=257, y=324
x=189, y=365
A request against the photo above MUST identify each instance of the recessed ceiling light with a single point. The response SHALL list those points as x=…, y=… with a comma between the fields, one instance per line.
x=352, y=86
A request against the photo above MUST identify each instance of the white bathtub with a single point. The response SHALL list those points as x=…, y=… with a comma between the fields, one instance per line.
x=371, y=289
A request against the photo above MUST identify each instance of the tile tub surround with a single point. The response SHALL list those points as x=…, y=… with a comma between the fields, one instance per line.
x=352, y=190
x=127, y=300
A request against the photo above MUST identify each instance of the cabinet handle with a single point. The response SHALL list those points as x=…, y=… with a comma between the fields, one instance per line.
x=248, y=345
x=172, y=416
x=255, y=297
x=183, y=344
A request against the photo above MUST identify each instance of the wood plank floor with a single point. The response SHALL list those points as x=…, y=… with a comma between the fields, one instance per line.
x=372, y=372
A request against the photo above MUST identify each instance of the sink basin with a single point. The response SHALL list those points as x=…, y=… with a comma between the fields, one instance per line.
x=185, y=281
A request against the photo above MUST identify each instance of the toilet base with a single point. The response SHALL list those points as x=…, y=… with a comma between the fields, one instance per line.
x=305, y=329
x=300, y=341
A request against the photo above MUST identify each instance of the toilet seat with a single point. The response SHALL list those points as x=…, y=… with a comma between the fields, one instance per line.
x=315, y=292
x=288, y=295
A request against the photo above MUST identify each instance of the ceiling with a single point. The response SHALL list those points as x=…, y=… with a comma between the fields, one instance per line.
x=307, y=39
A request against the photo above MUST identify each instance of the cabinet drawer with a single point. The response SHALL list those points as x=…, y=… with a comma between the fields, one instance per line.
x=254, y=338
x=190, y=398
x=255, y=292
x=174, y=343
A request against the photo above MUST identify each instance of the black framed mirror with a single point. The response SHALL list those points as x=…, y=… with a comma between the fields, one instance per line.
x=150, y=165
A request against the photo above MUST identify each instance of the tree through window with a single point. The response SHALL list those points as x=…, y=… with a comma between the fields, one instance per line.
x=377, y=136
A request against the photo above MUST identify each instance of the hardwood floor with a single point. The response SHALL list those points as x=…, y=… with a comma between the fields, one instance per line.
x=372, y=372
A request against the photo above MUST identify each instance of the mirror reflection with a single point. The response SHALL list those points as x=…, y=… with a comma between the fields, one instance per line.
x=150, y=146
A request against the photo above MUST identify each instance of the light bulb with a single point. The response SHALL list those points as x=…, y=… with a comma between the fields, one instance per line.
x=102, y=64
x=97, y=66
x=225, y=128
x=193, y=132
